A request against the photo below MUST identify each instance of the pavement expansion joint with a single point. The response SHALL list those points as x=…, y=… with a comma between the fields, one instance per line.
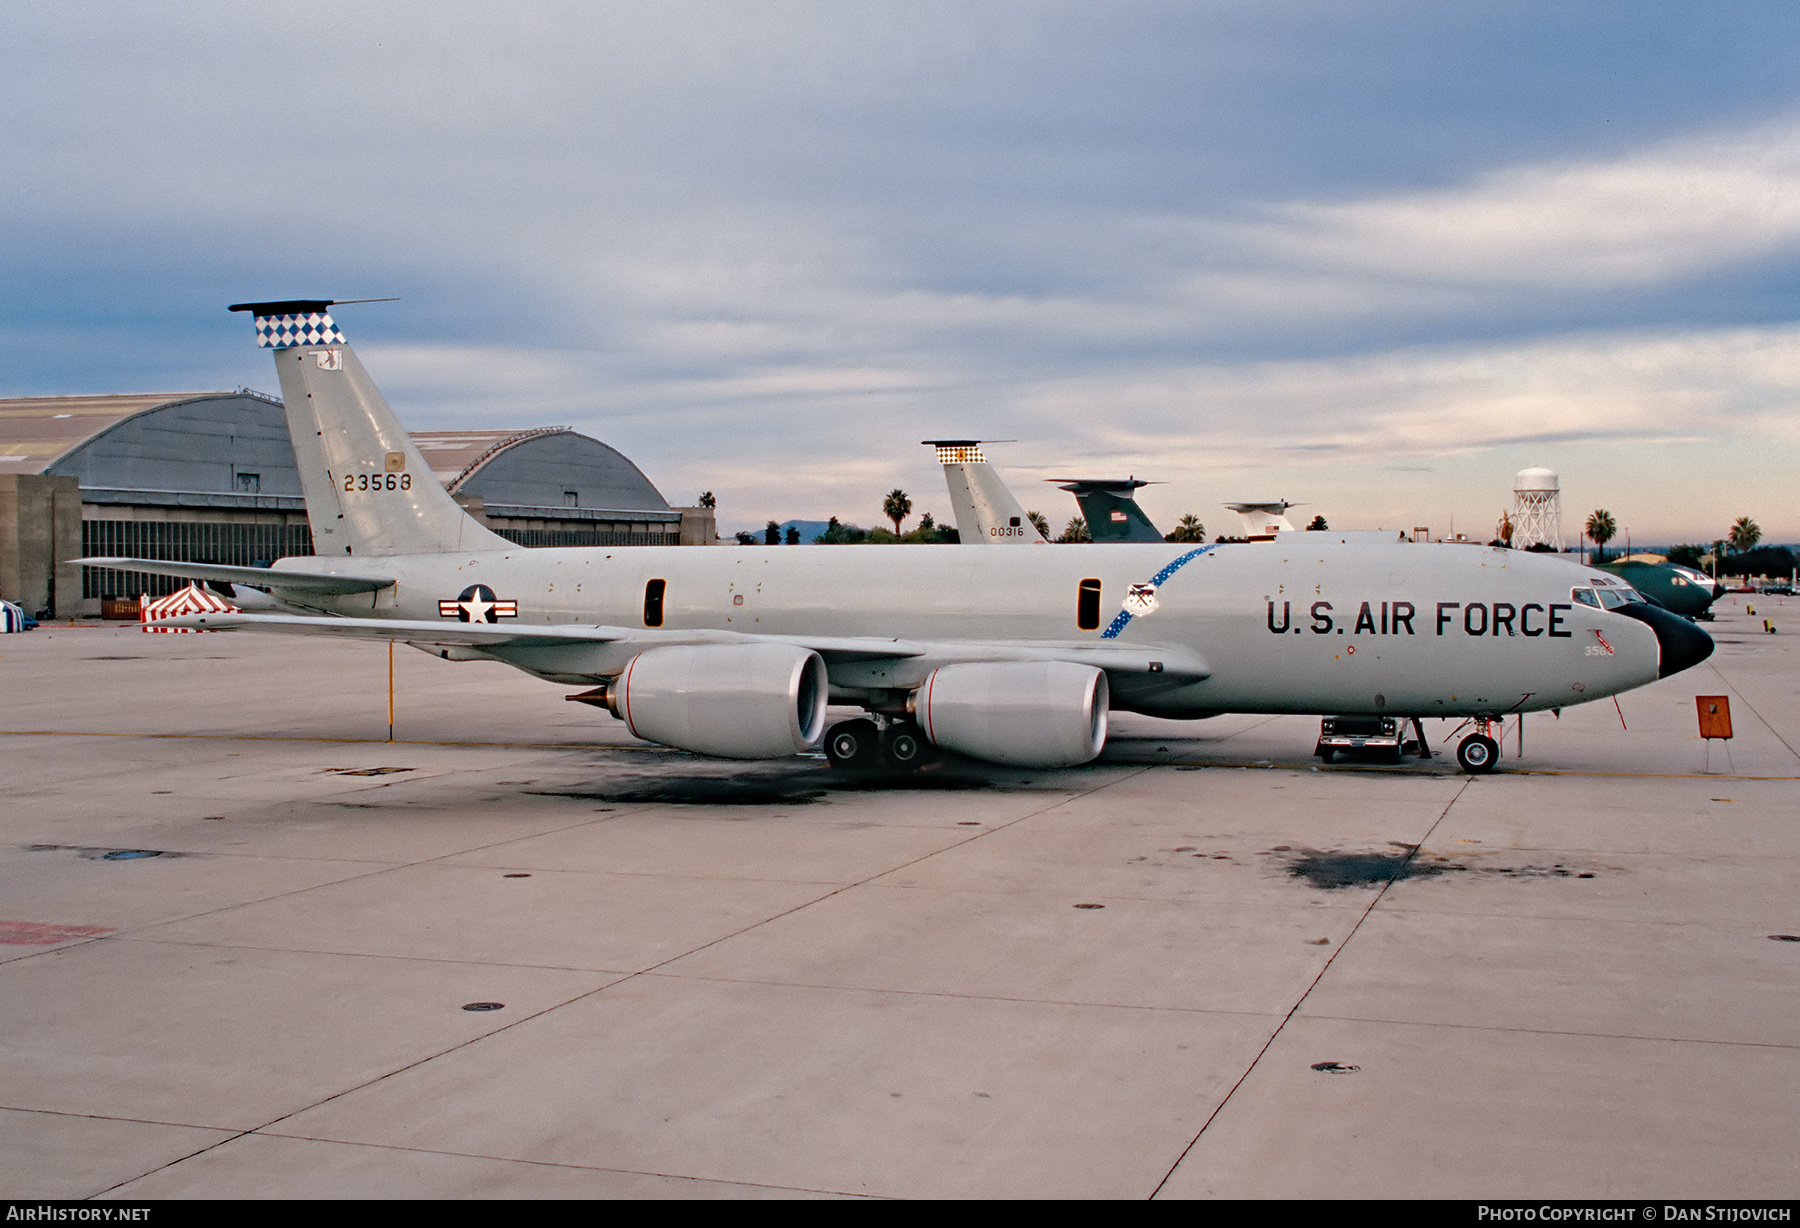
x=1083, y=1003
x=410, y=958
x=559, y=1164
x=1586, y=1034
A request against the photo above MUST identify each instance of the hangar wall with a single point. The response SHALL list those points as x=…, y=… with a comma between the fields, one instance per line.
x=40, y=526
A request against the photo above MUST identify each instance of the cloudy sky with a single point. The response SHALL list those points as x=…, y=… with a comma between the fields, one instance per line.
x=1371, y=257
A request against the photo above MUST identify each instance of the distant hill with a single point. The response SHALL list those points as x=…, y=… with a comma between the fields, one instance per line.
x=809, y=529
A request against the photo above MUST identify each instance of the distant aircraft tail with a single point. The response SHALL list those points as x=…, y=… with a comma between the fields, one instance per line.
x=1111, y=509
x=368, y=491
x=1262, y=521
x=985, y=509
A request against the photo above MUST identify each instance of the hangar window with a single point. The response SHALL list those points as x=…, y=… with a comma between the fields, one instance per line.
x=249, y=483
x=653, y=603
x=1087, y=605
x=571, y=498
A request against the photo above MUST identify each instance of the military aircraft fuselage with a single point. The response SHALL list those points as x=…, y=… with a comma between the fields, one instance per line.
x=1006, y=656
x=1682, y=589
x=1414, y=629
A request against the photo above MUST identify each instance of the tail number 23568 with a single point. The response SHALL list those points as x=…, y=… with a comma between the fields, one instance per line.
x=378, y=481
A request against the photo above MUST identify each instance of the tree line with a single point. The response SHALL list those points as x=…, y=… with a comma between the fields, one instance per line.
x=897, y=507
x=1735, y=554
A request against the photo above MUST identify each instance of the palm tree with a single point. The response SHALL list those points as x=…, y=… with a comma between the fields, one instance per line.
x=1745, y=534
x=1039, y=523
x=1602, y=528
x=897, y=508
x=1077, y=531
x=1188, y=529
x=707, y=500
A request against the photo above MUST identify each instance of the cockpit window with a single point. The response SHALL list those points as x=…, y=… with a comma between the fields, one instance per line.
x=1585, y=596
x=1611, y=599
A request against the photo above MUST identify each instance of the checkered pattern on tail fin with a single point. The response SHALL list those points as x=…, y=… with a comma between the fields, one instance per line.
x=310, y=328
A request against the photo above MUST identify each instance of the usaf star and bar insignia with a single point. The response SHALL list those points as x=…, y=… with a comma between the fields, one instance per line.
x=478, y=605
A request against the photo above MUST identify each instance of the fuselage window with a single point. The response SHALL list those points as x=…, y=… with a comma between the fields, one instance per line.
x=1087, y=605
x=653, y=602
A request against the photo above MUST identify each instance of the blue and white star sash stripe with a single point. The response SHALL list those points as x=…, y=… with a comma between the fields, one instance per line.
x=1123, y=618
x=284, y=332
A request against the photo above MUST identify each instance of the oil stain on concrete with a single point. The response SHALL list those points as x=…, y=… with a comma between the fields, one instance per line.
x=1336, y=869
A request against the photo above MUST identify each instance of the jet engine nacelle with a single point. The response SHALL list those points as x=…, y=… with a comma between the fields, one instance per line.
x=736, y=701
x=1026, y=713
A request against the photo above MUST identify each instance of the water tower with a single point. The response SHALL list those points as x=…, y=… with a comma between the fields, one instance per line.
x=1537, y=509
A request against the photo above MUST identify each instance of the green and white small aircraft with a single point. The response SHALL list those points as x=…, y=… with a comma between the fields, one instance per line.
x=1010, y=656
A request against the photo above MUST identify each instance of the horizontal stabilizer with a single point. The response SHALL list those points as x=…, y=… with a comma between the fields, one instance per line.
x=264, y=577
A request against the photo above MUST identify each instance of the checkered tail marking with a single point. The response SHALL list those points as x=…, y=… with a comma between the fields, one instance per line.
x=285, y=332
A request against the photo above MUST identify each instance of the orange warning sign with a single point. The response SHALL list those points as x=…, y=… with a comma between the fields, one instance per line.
x=1715, y=715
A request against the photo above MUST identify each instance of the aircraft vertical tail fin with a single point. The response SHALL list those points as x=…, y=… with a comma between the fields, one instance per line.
x=985, y=509
x=368, y=490
x=1111, y=509
x=1263, y=521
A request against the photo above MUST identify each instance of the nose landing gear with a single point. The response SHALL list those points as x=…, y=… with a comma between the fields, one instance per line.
x=1480, y=751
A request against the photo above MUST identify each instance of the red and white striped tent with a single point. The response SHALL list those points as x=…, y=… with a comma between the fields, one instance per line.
x=191, y=600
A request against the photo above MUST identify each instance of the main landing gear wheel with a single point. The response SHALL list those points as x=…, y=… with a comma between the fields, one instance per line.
x=1477, y=754
x=904, y=745
x=853, y=744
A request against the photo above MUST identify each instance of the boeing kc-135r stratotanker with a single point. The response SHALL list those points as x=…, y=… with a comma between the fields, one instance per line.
x=1010, y=656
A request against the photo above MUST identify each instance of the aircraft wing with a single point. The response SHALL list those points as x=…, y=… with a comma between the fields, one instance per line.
x=264, y=577
x=1176, y=664
x=497, y=635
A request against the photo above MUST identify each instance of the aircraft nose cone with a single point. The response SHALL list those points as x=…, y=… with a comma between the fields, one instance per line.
x=1681, y=643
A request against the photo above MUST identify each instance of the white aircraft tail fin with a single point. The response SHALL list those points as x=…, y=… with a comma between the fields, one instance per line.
x=1263, y=521
x=368, y=491
x=985, y=509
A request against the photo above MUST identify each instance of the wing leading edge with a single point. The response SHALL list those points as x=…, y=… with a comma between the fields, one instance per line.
x=842, y=654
